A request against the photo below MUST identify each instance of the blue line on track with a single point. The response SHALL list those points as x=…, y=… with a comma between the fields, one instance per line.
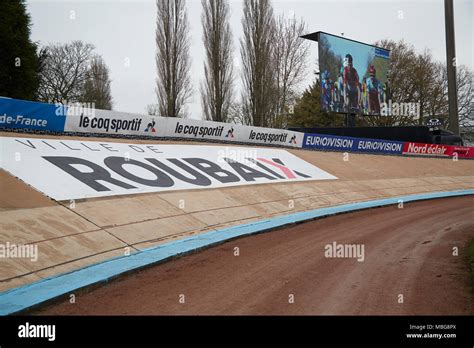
x=26, y=296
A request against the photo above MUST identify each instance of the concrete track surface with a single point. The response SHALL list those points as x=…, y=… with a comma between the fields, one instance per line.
x=408, y=252
x=71, y=237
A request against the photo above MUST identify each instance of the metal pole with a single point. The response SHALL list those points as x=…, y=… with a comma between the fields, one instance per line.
x=451, y=66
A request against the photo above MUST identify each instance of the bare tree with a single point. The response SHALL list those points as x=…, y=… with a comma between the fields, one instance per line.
x=417, y=77
x=237, y=115
x=97, y=84
x=173, y=85
x=414, y=78
x=402, y=89
x=153, y=109
x=437, y=103
x=423, y=76
x=64, y=72
x=256, y=49
x=465, y=80
x=290, y=55
x=216, y=90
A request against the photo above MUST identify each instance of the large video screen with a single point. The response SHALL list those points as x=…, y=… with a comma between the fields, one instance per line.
x=353, y=75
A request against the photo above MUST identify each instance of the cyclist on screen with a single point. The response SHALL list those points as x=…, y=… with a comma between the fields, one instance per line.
x=352, y=93
x=326, y=89
x=373, y=88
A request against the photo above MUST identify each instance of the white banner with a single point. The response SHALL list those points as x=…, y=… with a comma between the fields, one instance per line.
x=69, y=169
x=112, y=122
x=197, y=129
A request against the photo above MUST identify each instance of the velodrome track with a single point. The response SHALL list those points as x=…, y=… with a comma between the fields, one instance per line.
x=408, y=251
x=98, y=229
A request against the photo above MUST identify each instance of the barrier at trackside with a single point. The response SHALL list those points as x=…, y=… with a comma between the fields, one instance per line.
x=350, y=144
x=22, y=114
x=19, y=114
x=364, y=145
x=111, y=122
x=35, y=116
x=410, y=148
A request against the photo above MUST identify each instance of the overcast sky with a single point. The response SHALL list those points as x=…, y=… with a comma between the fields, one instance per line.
x=123, y=32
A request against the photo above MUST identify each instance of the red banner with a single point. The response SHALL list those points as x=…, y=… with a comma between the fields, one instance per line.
x=438, y=150
x=462, y=151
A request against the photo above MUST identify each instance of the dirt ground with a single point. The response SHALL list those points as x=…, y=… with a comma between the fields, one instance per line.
x=408, y=268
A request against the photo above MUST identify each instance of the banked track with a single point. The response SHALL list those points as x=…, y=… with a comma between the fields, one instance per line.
x=286, y=272
x=99, y=229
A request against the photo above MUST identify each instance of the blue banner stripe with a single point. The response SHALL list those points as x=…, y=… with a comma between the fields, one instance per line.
x=342, y=143
x=22, y=114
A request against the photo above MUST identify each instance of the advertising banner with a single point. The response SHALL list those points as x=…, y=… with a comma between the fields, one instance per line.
x=461, y=151
x=438, y=150
x=353, y=75
x=198, y=129
x=22, y=114
x=270, y=136
x=83, y=119
x=426, y=149
x=341, y=143
x=113, y=122
x=69, y=169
